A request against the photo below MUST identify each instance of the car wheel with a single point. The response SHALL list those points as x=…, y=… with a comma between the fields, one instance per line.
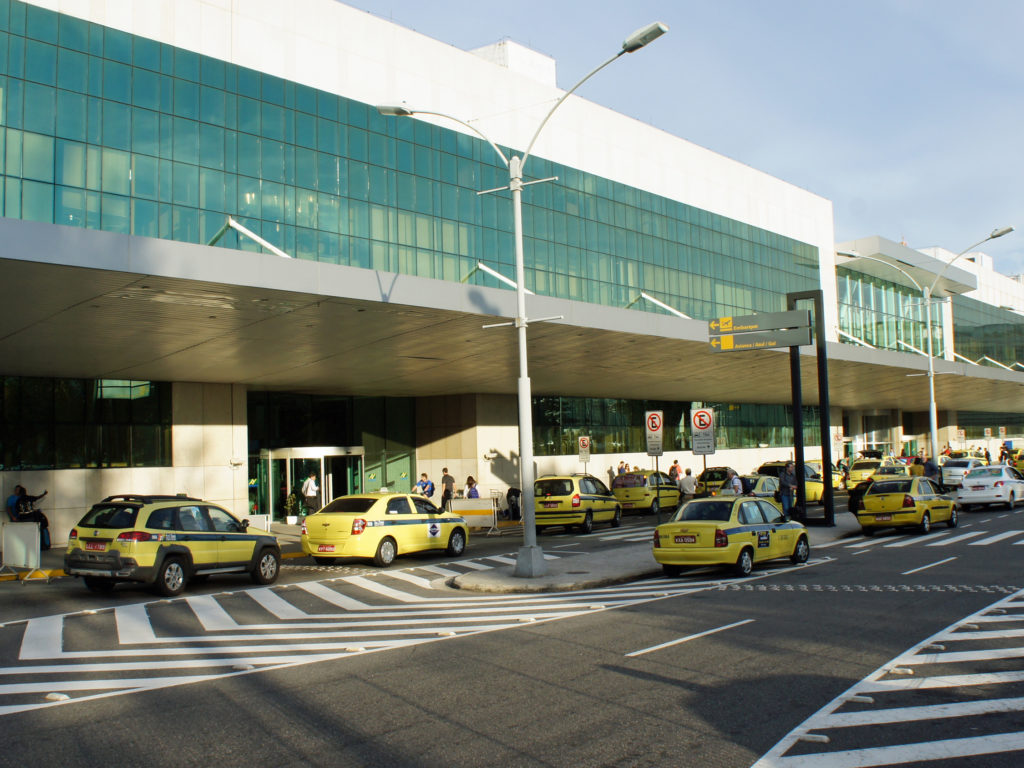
x=671, y=570
x=617, y=520
x=268, y=567
x=926, y=523
x=588, y=523
x=802, y=551
x=171, y=578
x=1011, y=502
x=386, y=552
x=655, y=507
x=456, y=543
x=745, y=563
x=99, y=583
x=952, y=522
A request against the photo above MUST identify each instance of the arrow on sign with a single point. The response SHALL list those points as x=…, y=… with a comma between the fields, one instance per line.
x=715, y=341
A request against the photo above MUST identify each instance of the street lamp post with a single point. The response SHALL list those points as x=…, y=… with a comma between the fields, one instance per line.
x=933, y=416
x=530, y=560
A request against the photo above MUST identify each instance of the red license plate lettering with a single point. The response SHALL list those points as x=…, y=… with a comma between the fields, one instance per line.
x=883, y=517
x=98, y=545
x=686, y=539
x=550, y=504
x=325, y=548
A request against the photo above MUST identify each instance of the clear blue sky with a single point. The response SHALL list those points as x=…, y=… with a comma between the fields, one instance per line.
x=907, y=114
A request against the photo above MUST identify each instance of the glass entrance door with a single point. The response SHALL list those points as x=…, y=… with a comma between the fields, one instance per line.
x=278, y=487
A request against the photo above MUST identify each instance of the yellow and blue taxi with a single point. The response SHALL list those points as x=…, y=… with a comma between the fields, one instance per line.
x=574, y=500
x=862, y=469
x=764, y=486
x=737, y=531
x=838, y=476
x=381, y=526
x=645, y=489
x=166, y=542
x=711, y=481
x=905, y=502
x=814, y=486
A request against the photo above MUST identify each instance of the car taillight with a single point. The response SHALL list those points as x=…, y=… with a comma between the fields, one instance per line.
x=657, y=538
x=998, y=484
x=908, y=501
x=358, y=526
x=576, y=500
x=73, y=534
x=304, y=531
x=721, y=538
x=134, y=536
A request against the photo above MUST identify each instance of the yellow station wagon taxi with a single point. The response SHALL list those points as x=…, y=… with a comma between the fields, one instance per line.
x=574, y=500
x=381, y=526
x=905, y=502
x=737, y=531
x=166, y=541
x=646, y=489
x=862, y=469
x=711, y=480
x=814, y=486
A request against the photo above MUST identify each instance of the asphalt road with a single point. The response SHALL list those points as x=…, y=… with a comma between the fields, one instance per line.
x=363, y=669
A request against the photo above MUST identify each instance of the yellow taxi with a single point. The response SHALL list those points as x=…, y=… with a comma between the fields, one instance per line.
x=814, y=486
x=737, y=531
x=838, y=478
x=889, y=471
x=862, y=469
x=711, y=480
x=381, y=526
x=574, y=500
x=905, y=502
x=763, y=486
x=645, y=489
x=166, y=542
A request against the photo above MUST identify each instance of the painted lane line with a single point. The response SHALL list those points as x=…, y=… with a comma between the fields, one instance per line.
x=210, y=613
x=926, y=567
x=133, y=625
x=916, y=540
x=418, y=581
x=835, y=543
x=862, y=552
x=446, y=572
x=43, y=638
x=380, y=589
x=915, y=714
x=502, y=559
x=334, y=597
x=102, y=684
x=955, y=539
x=961, y=656
x=997, y=537
x=276, y=605
x=942, y=681
x=474, y=565
x=690, y=637
x=866, y=543
x=906, y=753
x=151, y=666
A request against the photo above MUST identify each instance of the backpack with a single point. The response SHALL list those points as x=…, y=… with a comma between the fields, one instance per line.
x=473, y=493
x=428, y=489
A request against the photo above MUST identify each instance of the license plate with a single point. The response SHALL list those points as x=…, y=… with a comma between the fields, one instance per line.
x=550, y=504
x=97, y=545
x=627, y=505
x=977, y=487
x=882, y=518
x=325, y=548
x=686, y=539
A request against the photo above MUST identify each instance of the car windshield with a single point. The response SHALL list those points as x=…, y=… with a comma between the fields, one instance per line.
x=957, y=463
x=110, y=516
x=770, y=469
x=866, y=465
x=749, y=483
x=714, y=475
x=706, y=510
x=629, y=481
x=890, y=486
x=893, y=470
x=349, y=504
x=552, y=487
x=985, y=472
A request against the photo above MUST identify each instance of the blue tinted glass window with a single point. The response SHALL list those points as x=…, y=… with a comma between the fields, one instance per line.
x=73, y=33
x=186, y=99
x=146, y=176
x=145, y=216
x=37, y=157
x=186, y=141
x=37, y=201
x=69, y=207
x=186, y=184
x=70, y=164
x=211, y=105
x=41, y=24
x=146, y=89
x=41, y=62
x=117, y=82
x=117, y=125
x=211, y=146
x=146, y=53
x=117, y=45
x=145, y=131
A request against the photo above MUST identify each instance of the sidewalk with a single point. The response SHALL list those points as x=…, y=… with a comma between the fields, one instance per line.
x=625, y=563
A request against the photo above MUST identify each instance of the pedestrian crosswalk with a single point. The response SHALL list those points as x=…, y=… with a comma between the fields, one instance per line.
x=66, y=658
x=963, y=684
x=896, y=539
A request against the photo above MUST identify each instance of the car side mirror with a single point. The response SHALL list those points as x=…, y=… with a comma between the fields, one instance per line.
x=245, y=524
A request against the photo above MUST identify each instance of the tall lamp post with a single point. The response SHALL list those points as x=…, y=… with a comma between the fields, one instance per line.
x=530, y=560
x=933, y=416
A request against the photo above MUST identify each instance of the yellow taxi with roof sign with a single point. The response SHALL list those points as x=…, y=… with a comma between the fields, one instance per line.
x=737, y=531
x=574, y=500
x=711, y=481
x=645, y=489
x=381, y=526
x=905, y=502
x=862, y=469
x=814, y=486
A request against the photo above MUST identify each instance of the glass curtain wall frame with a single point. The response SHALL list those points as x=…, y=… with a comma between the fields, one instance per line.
x=981, y=330
x=883, y=313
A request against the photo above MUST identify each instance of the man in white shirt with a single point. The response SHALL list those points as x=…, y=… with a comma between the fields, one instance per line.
x=735, y=483
x=311, y=492
x=687, y=485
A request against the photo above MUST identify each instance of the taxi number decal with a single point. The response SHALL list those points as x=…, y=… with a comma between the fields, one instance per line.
x=764, y=539
x=686, y=539
x=325, y=548
x=434, y=530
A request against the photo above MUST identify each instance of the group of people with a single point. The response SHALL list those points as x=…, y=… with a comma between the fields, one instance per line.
x=425, y=487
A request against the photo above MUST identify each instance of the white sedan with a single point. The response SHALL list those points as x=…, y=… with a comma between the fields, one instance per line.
x=954, y=471
x=995, y=484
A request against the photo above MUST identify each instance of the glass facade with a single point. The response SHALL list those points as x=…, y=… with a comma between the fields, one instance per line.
x=981, y=330
x=83, y=423
x=883, y=314
x=974, y=424
x=616, y=426
x=106, y=130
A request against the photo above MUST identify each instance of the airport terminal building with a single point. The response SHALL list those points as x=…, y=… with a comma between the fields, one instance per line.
x=139, y=357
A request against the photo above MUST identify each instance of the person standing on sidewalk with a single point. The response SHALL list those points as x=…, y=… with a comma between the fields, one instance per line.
x=447, y=489
x=311, y=493
x=787, y=487
x=687, y=485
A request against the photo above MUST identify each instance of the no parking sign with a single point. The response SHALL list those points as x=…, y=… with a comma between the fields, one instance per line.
x=702, y=433
x=654, y=424
x=584, y=445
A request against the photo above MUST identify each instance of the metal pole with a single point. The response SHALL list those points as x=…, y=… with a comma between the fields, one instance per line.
x=933, y=414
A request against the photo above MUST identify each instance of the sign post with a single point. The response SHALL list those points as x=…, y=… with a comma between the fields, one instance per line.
x=654, y=426
x=584, y=446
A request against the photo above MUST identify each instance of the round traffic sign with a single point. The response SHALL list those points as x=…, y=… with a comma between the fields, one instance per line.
x=702, y=419
x=584, y=442
x=654, y=422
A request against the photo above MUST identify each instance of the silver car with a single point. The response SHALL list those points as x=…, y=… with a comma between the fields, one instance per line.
x=995, y=484
x=953, y=471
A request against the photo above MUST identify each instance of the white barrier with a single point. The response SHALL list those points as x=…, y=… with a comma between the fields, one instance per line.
x=21, y=548
x=259, y=521
x=478, y=513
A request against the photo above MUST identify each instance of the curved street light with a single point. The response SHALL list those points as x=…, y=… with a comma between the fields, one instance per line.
x=530, y=559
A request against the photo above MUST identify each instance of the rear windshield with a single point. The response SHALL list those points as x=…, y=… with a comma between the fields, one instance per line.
x=891, y=470
x=985, y=472
x=866, y=465
x=890, y=486
x=957, y=463
x=552, y=488
x=706, y=510
x=749, y=483
x=110, y=516
x=773, y=470
x=629, y=481
x=356, y=504
x=714, y=475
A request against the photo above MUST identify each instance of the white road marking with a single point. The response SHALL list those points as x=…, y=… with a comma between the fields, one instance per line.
x=332, y=596
x=380, y=589
x=918, y=539
x=419, y=581
x=210, y=613
x=955, y=539
x=133, y=624
x=474, y=565
x=997, y=537
x=905, y=753
x=926, y=567
x=43, y=638
x=276, y=605
x=502, y=559
x=689, y=637
x=927, y=712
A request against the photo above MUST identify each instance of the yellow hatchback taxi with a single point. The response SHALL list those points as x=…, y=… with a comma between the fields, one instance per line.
x=764, y=486
x=838, y=477
x=166, y=542
x=814, y=486
x=381, y=526
x=862, y=469
x=905, y=502
x=711, y=480
x=646, y=489
x=574, y=500
x=733, y=530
